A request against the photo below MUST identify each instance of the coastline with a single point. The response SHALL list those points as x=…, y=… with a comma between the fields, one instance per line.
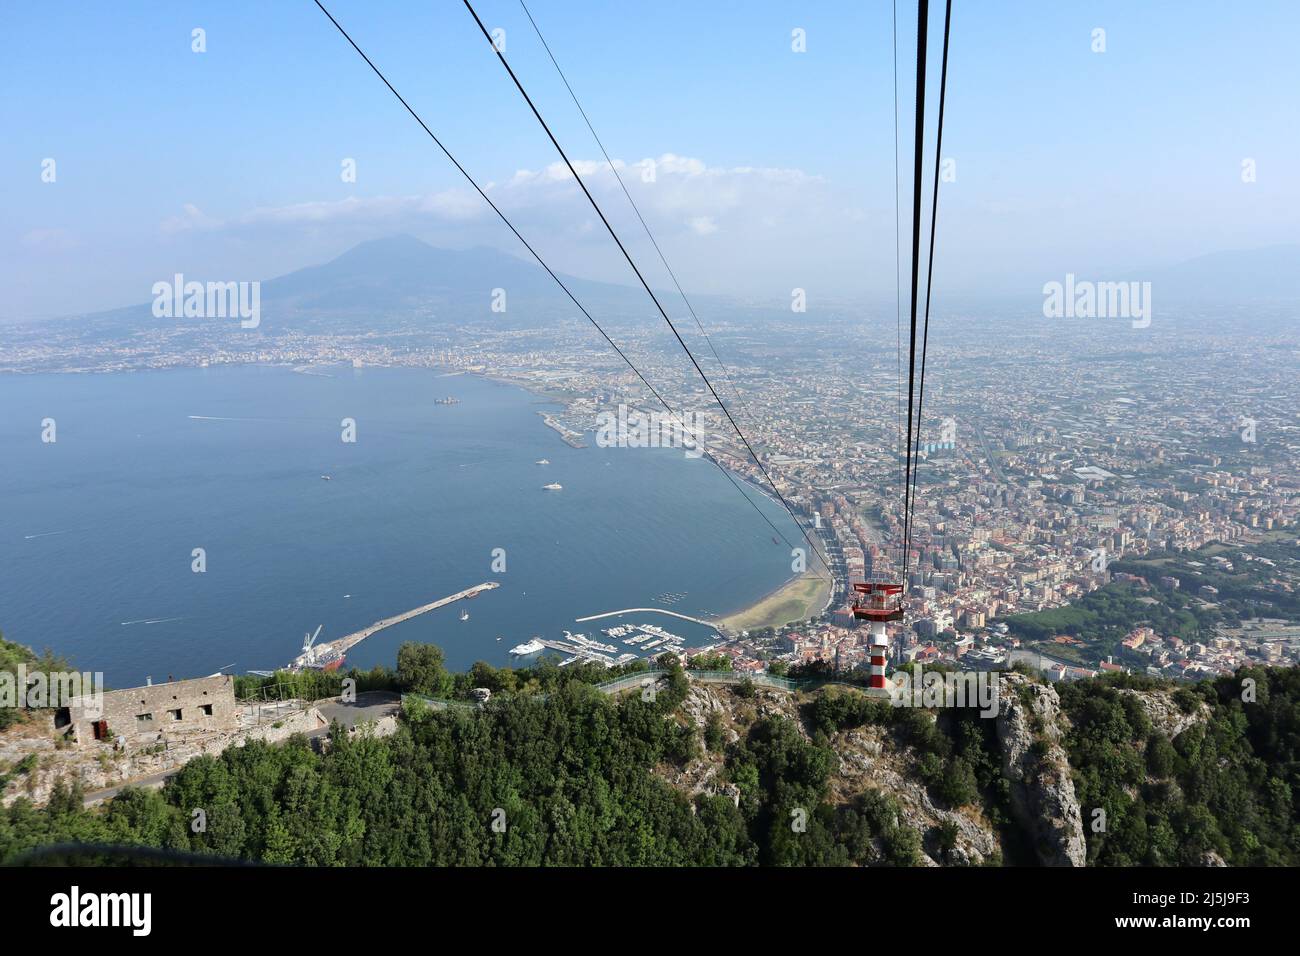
x=798, y=599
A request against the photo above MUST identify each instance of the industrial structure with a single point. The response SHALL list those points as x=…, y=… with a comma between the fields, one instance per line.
x=879, y=604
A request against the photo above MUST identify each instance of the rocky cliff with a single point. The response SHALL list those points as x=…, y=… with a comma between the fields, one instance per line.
x=1029, y=731
x=1029, y=728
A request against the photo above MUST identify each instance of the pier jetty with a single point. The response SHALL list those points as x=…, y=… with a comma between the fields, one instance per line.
x=342, y=645
x=650, y=610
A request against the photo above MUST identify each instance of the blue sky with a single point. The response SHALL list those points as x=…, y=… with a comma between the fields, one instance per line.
x=226, y=164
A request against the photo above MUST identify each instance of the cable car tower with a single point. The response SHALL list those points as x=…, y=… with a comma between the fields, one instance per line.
x=879, y=603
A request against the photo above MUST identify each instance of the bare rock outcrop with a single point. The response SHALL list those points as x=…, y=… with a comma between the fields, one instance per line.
x=1042, y=794
x=867, y=762
x=700, y=703
x=1165, y=715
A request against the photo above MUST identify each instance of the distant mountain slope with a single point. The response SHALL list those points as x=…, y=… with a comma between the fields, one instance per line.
x=1239, y=275
x=384, y=283
x=402, y=272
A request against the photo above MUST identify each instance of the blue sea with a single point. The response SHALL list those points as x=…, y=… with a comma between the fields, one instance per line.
x=98, y=528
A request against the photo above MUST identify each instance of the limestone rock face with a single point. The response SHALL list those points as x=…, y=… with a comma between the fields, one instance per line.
x=866, y=763
x=1029, y=731
x=1165, y=715
x=700, y=702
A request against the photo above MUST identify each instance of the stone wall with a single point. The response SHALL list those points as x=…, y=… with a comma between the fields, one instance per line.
x=157, y=711
x=99, y=765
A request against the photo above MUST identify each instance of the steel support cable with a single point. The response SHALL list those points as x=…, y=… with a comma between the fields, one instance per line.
x=542, y=262
x=922, y=18
x=636, y=209
x=898, y=279
x=934, y=223
x=641, y=278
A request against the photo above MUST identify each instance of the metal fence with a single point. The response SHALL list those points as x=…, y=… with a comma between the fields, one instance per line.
x=760, y=679
x=640, y=678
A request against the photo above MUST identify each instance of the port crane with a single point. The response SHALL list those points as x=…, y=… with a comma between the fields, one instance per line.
x=308, y=640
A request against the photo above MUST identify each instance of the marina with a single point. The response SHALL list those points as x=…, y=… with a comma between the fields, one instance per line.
x=571, y=438
x=579, y=647
x=648, y=610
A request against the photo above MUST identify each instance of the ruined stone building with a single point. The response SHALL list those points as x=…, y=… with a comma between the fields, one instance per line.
x=205, y=704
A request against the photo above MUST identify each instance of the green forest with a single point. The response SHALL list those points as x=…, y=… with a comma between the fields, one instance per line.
x=1226, y=786
x=1105, y=616
x=572, y=776
x=1259, y=584
x=560, y=779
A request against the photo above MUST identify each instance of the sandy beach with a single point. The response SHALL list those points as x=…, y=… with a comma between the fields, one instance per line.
x=798, y=599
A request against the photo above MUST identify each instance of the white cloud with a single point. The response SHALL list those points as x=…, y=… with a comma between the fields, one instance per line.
x=781, y=226
x=703, y=225
x=50, y=240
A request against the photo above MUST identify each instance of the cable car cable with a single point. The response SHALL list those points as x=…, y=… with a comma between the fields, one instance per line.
x=649, y=235
x=934, y=222
x=653, y=298
x=922, y=17
x=541, y=262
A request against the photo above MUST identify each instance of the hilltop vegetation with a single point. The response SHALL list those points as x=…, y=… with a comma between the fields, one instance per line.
x=12, y=655
x=1265, y=584
x=1223, y=788
x=421, y=669
x=710, y=776
x=1263, y=580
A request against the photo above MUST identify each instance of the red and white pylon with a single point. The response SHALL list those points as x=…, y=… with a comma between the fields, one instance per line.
x=879, y=604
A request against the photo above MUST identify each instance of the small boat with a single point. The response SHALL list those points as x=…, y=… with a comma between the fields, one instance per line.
x=326, y=477
x=542, y=461
x=464, y=615
x=553, y=486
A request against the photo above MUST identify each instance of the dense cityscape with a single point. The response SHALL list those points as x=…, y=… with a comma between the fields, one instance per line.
x=1053, y=461
x=380, y=385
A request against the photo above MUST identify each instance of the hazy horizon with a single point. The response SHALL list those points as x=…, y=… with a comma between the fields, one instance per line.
x=774, y=169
